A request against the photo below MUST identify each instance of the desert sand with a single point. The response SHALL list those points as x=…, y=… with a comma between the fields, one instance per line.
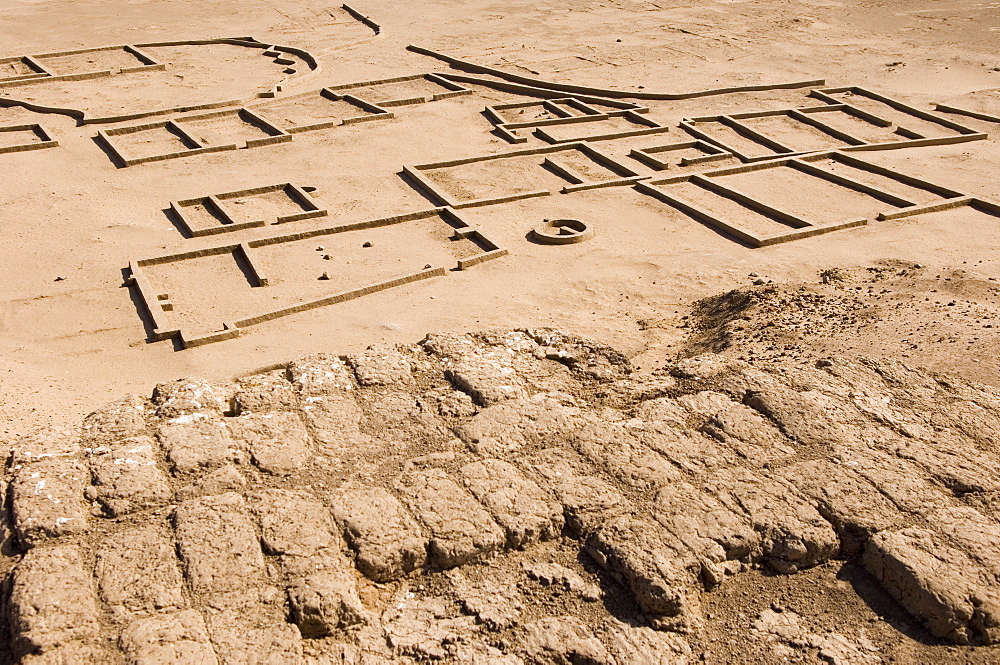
x=586, y=332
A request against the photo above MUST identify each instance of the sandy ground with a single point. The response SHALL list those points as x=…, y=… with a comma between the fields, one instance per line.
x=69, y=345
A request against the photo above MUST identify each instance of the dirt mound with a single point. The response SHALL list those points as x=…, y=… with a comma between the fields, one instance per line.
x=941, y=319
x=518, y=497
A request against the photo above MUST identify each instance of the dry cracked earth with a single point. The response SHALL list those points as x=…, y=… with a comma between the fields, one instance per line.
x=528, y=496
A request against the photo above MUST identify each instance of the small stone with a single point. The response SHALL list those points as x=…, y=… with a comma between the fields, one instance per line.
x=368, y=244
x=325, y=276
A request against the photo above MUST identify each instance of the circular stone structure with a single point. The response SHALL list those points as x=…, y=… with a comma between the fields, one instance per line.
x=562, y=232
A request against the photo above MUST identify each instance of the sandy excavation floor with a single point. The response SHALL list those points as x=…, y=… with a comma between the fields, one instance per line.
x=800, y=493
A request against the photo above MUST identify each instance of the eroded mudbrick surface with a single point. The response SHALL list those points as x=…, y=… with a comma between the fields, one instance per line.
x=569, y=513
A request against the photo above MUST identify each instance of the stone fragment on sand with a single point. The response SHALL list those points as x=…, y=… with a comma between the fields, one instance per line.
x=218, y=544
x=127, y=478
x=177, y=637
x=198, y=444
x=47, y=500
x=793, y=533
x=137, y=570
x=387, y=541
x=662, y=574
x=185, y=397
x=118, y=420
x=319, y=374
x=849, y=502
x=724, y=539
x=507, y=427
x=952, y=595
x=525, y=512
x=562, y=640
x=52, y=601
x=382, y=365
x=461, y=530
x=277, y=441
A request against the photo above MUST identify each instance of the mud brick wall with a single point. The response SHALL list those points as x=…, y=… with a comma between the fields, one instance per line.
x=437, y=502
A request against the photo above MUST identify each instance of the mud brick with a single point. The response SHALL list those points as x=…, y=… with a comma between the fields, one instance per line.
x=278, y=441
x=849, y=502
x=198, y=444
x=525, y=512
x=137, y=570
x=185, y=397
x=47, y=500
x=461, y=530
x=294, y=523
x=249, y=627
x=724, y=539
x=588, y=501
x=507, y=427
x=319, y=374
x=52, y=601
x=381, y=365
x=178, y=637
x=612, y=447
x=662, y=574
x=953, y=596
x=218, y=544
x=127, y=477
x=118, y=420
x=387, y=541
x=265, y=393
x=793, y=533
